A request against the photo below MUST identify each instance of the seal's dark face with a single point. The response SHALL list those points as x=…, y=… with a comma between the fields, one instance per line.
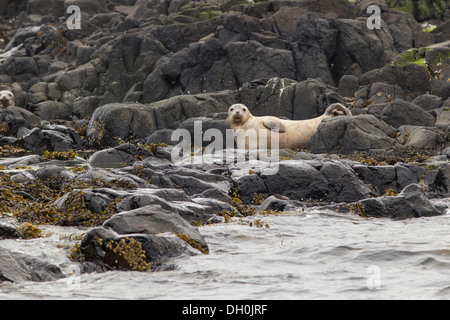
x=6, y=98
x=238, y=113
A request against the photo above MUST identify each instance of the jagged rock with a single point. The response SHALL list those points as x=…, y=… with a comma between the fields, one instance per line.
x=412, y=202
x=441, y=183
x=52, y=138
x=283, y=97
x=17, y=118
x=383, y=178
x=11, y=268
x=411, y=77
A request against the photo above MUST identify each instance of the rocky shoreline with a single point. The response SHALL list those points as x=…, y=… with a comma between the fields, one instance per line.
x=88, y=142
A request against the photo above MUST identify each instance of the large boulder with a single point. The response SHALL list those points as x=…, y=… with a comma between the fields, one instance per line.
x=405, y=113
x=318, y=180
x=357, y=45
x=17, y=118
x=282, y=97
x=129, y=59
x=153, y=219
x=113, y=123
x=11, y=268
x=251, y=60
x=405, y=30
x=411, y=77
x=200, y=125
x=104, y=246
x=348, y=134
x=329, y=48
x=162, y=234
x=389, y=177
x=441, y=183
x=212, y=66
x=18, y=267
x=315, y=39
x=308, y=99
x=428, y=102
x=53, y=138
x=421, y=137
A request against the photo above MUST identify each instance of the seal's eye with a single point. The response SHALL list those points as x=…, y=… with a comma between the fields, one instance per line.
x=244, y=109
x=10, y=95
x=231, y=109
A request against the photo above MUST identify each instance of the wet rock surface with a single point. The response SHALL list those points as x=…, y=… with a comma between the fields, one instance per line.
x=89, y=144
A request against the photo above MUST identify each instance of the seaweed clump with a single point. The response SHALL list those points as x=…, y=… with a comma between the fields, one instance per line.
x=243, y=211
x=28, y=231
x=128, y=254
x=56, y=155
x=35, y=202
x=391, y=156
x=8, y=151
x=194, y=244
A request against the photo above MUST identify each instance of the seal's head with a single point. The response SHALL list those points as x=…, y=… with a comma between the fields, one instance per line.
x=238, y=114
x=6, y=98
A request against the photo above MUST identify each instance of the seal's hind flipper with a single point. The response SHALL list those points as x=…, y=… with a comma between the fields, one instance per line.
x=274, y=125
x=337, y=109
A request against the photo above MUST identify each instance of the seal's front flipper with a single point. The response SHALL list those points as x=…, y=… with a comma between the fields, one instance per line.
x=274, y=125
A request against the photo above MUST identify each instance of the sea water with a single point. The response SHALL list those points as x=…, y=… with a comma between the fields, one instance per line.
x=311, y=254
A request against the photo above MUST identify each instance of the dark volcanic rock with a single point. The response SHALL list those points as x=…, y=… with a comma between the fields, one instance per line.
x=441, y=183
x=11, y=268
x=15, y=267
x=283, y=97
x=402, y=112
x=153, y=219
x=329, y=181
x=94, y=249
x=113, y=123
x=347, y=134
x=7, y=231
x=251, y=60
x=412, y=202
x=163, y=234
x=348, y=85
x=356, y=44
x=383, y=178
x=17, y=118
x=411, y=77
x=315, y=39
x=428, y=102
x=52, y=138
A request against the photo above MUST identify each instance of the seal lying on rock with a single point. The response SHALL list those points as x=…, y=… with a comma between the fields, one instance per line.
x=256, y=132
x=6, y=98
